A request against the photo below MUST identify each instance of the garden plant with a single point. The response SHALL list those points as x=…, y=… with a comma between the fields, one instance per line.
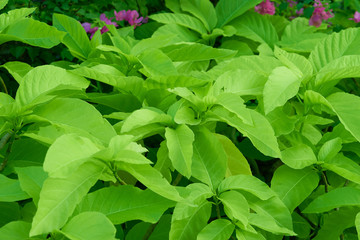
x=180, y=120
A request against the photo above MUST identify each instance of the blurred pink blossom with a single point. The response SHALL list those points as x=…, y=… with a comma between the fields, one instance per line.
x=88, y=29
x=265, y=7
x=319, y=14
x=356, y=17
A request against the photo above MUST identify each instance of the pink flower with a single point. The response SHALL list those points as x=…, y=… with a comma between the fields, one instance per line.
x=120, y=16
x=88, y=29
x=265, y=7
x=319, y=14
x=107, y=20
x=300, y=11
x=356, y=17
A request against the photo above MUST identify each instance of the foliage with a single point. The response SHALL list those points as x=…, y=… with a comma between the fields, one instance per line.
x=211, y=122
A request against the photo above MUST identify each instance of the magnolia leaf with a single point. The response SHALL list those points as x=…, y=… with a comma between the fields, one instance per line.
x=10, y=190
x=298, y=157
x=219, y=229
x=188, y=221
x=293, y=186
x=344, y=167
x=16, y=230
x=125, y=203
x=203, y=10
x=180, y=144
x=59, y=197
x=330, y=149
x=89, y=226
x=339, y=197
x=282, y=85
x=236, y=206
x=162, y=66
x=17, y=69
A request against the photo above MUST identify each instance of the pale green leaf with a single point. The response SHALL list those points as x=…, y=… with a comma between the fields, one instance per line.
x=180, y=33
x=17, y=69
x=228, y=10
x=156, y=41
x=164, y=82
x=299, y=156
x=31, y=180
x=3, y=3
x=188, y=221
x=17, y=230
x=335, y=46
x=255, y=27
x=161, y=66
x=235, y=104
x=44, y=79
x=357, y=224
x=294, y=186
x=245, y=235
x=180, y=19
x=76, y=38
x=203, y=10
x=237, y=163
x=125, y=203
x=199, y=52
x=10, y=190
x=235, y=206
x=180, y=144
x=329, y=149
x=344, y=167
x=339, y=197
x=152, y=179
x=89, y=226
x=59, y=163
x=59, y=197
x=32, y=32
x=246, y=183
x=282, y=85
x=260, y=132
x=209, y=158
x=219, y=229
x=13, y=16
x=347, y=107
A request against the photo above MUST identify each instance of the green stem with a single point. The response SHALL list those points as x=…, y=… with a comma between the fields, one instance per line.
x=149, y=231
x=4, y=85
x=323, y=176
x=8, y=151
x=218, y=213
x=177, y=179
x=5, y=139
x=118, y=178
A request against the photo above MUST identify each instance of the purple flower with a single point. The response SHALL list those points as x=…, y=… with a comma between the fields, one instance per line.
x=88, y=29
x=107, y=20
x=265, y=7
x=319, y=14
x=300, y=11
x=120, y=16
x=356, y=17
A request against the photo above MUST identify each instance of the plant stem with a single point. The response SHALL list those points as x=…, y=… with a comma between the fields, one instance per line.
x=323, y=176
x=5, y=139
x=8, y=150
x=177, y=179
x=4, y=86
x=218, y=213
x=118, y=178
x=149, y=231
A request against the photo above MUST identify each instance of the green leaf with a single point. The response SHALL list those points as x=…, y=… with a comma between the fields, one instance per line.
x=357, y=224
x=237, y=163
x=298, y=157
x=344, y=167
x=180, y=33
x=17, y=230
x=236, y=206
x=42, y=80
x=17, y=69
x=9, y=211
x=294, y=186
x=59, y=197
x=244, y=235
x=219, y=229
x=228, y=10
x=330, y=149
x=339, y=197
x=126, y=203
x=152, y=179
x=164, y=82
x=3, y=3
x=89, y=226
x=32, y=32
x=260, y=132
x=10, y=190
x=235, y=104
x=188, y=221
x=255, y=27
x=76, y=38
x=180, y=19
x=199, y=52
x=31, y=180
x=203, y=10
x=59, y=163
x=335, y=223
x=299, y=36
x=13, y=16
x=158, y=41
x=335, y=46
x=282, y=85
x=209, y=158
x=78, y=116
x=180, y=144
x=347, y=107
x=161, y=66
x=246, y=183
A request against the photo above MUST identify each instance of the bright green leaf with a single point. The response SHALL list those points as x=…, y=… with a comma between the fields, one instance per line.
x=10, y=190
x=203, y=10
x=219, y=229
x=17, y=230
x=299, y=156
x=236, y=206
